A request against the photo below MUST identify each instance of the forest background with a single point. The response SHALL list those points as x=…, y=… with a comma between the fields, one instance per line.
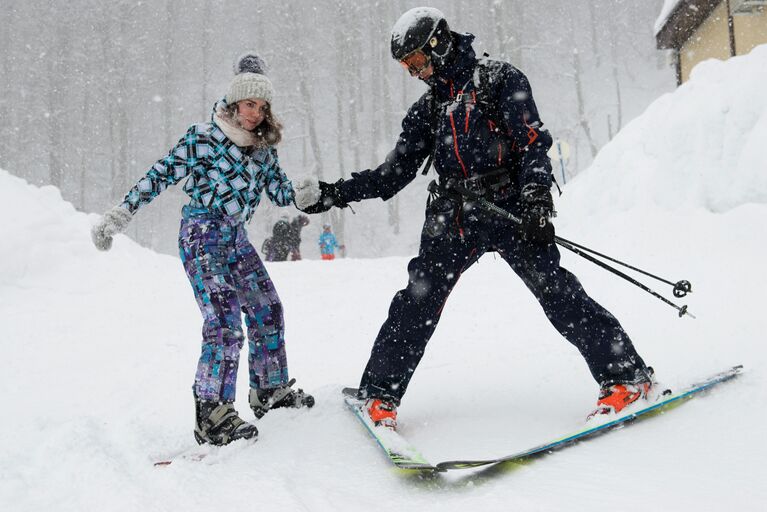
x=93, y=92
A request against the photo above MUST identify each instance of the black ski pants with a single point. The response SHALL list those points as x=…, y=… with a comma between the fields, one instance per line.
x=450, y=244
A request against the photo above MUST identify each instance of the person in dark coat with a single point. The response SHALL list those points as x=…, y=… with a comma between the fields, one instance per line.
x=294, y=236
x=285, y=242
x=278, y=245
x=479, y=125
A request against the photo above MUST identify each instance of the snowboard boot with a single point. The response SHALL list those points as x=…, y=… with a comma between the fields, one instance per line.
x=263, y=400
x=218, y=423
x=381, y=413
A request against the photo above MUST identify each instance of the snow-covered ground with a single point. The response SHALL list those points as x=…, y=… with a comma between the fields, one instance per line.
x=100, y=350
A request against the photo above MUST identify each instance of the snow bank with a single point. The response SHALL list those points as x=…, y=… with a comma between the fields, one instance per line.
x=701, y=146
x=50, y=240
x=39, y=226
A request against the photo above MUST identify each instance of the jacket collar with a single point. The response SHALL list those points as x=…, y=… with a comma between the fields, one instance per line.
x=461, y=69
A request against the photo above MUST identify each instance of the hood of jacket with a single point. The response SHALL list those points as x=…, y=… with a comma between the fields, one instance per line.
x=461, y=69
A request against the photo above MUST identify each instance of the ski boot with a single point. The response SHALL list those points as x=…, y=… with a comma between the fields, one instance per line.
x=614, y=398
x=381, y=413
x=263, y=400
x=217, y=423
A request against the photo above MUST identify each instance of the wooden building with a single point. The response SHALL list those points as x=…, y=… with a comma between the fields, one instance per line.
x=697, y=30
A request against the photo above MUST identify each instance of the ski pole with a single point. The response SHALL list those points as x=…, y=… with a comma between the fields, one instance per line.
x=681, y=288
x=567, y=245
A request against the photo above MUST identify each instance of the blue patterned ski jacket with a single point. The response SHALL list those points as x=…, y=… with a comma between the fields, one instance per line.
x=328, y=243
x=222, y=177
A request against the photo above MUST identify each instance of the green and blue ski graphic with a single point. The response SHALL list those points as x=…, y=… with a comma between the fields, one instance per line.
x=405, y=456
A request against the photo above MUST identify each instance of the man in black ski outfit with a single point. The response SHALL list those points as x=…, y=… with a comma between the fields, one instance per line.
x=480, y=127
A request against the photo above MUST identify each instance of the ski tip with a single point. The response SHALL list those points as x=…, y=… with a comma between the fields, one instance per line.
x=350, y=392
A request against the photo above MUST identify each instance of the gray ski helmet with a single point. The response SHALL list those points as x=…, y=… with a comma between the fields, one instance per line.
x=423, y=28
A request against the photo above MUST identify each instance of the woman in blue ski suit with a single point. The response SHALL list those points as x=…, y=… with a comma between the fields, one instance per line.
x=227, y=163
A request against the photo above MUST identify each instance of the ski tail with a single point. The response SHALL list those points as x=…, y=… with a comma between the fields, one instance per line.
x=664, y=403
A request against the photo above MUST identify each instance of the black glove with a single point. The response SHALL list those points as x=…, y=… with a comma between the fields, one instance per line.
x=537, y=214
x=330, y=196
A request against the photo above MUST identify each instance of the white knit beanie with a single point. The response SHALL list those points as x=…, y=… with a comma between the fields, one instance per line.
x=250, y=85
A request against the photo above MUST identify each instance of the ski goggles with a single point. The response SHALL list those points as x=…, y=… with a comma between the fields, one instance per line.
x=415, y=62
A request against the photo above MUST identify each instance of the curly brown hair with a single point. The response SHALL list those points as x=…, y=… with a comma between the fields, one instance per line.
x=268, y=133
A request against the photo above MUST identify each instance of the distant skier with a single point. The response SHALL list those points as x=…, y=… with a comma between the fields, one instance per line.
x=479, y=125
x=328, y=243
x=228, y=161
x=267, y=249
x=278, y=245
x=285, y=242
x=294, y=236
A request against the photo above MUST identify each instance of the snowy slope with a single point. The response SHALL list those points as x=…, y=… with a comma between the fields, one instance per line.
x=100, y=350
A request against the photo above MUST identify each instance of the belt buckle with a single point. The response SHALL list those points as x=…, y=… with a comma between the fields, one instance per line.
x=475, y=185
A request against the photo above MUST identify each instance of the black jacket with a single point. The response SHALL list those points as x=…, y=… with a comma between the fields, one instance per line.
x=472, y=126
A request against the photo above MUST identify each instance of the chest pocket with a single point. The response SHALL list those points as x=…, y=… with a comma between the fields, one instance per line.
x=468, y=140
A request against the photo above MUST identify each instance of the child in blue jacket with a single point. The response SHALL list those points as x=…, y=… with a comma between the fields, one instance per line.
x=328, y=243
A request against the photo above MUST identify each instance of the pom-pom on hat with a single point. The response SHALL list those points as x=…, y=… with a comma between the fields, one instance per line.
x=249, y=62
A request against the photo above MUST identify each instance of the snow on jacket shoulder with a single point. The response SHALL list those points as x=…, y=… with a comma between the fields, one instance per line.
x=222, y=177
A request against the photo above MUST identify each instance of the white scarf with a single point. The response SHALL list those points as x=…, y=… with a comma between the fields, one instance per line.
x=237, y=134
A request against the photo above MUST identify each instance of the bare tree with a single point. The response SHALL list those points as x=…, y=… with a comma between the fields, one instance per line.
x=513, y=44
x=387, y=106
x=342, y=57
x=583, y=120
x=299, y=68
x=613, y=43
x=595, y=46
x=495, y=9
x=85, y=117
x=167, y=64
x=6, y=76
x=56, y=100
x=205, y=48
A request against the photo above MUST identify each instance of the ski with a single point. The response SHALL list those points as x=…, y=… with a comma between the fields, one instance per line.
x=190, y=457
x=198, y=453
x=193, y=454
x=664, y=403
x=399, y=450
x=405, y=456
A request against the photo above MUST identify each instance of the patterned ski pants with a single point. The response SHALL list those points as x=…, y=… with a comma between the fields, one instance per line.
x=229, y=279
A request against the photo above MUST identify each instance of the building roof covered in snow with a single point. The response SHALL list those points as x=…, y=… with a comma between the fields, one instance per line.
x=697, y=30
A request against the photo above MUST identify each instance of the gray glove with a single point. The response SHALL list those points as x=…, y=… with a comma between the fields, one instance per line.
x=114, y=221
x=314, y=196
x=307, y=192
